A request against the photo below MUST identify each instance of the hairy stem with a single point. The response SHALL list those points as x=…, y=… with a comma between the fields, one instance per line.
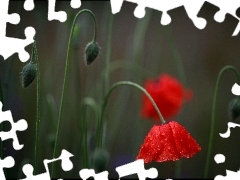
x=65, y=80
x=38, y=109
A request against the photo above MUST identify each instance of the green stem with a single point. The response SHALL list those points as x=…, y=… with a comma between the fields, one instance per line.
x=137, y=50
x=120, y=83
x=84, y=156
x=234, y=69
x=38, y=108
x=91, y=103
x=65, y=79
x=121, y=64
x=109, y=49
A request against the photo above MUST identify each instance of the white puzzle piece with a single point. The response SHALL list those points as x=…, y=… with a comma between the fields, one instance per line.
x=66, y=164
x=192, y=8
x=137, y=167
x=8, y=45
x=20, y=125
x=7, y=162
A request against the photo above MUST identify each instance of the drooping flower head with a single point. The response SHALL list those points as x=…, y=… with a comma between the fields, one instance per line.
x=169, y=95
x=91, y=52
x=168, y=142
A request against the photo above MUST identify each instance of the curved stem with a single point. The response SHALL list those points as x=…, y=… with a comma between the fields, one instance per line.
x=234, y=69
x=120, y=83
x=65, y=79
x=122, y=64
x=91, y=103
x=38, y=108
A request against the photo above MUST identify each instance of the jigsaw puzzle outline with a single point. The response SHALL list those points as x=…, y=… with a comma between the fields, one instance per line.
x=135, y=167
x=220, y=158
x=66, y=165
x=20, y=125
x=15, y=45
x=7, y=162
x=192, y=9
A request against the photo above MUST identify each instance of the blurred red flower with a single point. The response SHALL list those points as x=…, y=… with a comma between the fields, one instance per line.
x=169, y=95
x=167, y=142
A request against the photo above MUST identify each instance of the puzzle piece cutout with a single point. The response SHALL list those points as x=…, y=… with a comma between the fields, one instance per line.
x=230, y=175
x=220, y=158
x=87, y=173
x=9, y=46
x=192, y=8
x=227, y=7
x=66, y=165
x=75, y=4
x=52, y=14
x=20, y=125
x=236, y=89
x=137, y=167
x=230, y=125
x=7, y=162
x=164, y=6
x=60, y=15
x=29, y=5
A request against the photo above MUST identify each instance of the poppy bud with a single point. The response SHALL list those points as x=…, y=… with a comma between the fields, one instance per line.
x=91, y=52
x=100, y=160
x=28, y=74
x=234, y=109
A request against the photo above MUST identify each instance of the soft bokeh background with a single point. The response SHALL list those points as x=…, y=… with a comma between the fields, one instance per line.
x=146, y=49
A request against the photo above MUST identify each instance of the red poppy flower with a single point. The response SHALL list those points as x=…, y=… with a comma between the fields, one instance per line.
x=167, y=142
x=169, y=95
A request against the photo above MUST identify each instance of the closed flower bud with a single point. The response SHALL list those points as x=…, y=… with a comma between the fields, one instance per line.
x=100, y=160
x=28, y=74
x=91, y=52
x=234, y=109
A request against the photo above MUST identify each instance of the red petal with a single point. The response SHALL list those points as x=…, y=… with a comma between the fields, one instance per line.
x=185, y=144
x=168, y=142
x=159, y=145
x=169, y=95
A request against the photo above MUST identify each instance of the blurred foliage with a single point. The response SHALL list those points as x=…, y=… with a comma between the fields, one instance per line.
x=142, y=54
